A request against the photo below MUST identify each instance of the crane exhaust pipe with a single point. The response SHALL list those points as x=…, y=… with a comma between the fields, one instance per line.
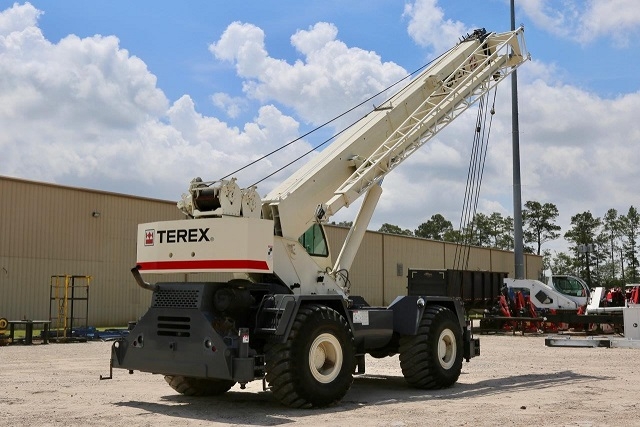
x=145, y=285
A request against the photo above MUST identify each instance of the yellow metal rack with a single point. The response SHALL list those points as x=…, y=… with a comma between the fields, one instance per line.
x=64, y=313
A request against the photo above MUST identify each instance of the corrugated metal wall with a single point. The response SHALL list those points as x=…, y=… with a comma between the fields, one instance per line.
x=48, y=230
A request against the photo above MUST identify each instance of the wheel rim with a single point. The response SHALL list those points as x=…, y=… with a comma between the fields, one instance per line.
x=325, y=358
x=447, y=349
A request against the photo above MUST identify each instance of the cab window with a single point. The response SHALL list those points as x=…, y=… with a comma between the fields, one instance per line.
x=314, y=241
x=569, y=286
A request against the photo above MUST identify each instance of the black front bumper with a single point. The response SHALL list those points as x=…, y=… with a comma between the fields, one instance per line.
x=183, y=342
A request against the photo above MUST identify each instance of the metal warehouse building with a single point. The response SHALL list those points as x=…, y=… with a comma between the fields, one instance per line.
x=49, y=230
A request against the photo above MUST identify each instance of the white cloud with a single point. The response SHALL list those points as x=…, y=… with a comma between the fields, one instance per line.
x=85, y=83
x=579, y=150
x=314, y=40
x=618, y=18
x=16, y=19
x=244, y=44
x=86, y=112
x=232, y=105
x=329, y=79
x=428, y=26
x=586, y=21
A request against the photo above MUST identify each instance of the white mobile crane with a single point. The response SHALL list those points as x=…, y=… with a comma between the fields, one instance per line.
x=288, y=318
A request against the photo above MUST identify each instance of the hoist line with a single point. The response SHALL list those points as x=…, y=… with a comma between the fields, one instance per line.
x=480, y=148
x=477, y=162
x=463, y=245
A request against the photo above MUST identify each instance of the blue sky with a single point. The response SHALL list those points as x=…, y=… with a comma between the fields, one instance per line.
x=139, y=97
x=173, y=39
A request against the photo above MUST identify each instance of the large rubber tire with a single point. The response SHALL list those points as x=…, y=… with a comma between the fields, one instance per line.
x=432, y=358
x=190, y=386
x=314, y=367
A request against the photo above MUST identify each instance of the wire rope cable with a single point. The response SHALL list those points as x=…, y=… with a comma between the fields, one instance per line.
x=475, y=173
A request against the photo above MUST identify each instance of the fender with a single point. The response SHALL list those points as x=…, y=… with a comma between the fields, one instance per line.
x=408, y=310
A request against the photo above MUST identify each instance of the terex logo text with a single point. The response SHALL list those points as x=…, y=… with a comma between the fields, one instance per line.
x=191, y=235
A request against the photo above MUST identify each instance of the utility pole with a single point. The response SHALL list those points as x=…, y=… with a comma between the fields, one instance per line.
x=518, y=245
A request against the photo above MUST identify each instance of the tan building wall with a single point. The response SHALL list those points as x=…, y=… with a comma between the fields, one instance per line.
x=48, y=230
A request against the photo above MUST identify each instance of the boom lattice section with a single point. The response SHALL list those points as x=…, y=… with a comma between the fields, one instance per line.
x=485, y=68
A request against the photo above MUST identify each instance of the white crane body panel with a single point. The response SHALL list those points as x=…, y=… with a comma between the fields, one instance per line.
x=206, y=245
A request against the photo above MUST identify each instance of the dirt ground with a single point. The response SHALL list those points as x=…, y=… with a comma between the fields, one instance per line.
x=517, y=381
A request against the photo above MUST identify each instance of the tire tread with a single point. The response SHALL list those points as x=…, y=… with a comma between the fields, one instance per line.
x=283, y=370
x=417, y=358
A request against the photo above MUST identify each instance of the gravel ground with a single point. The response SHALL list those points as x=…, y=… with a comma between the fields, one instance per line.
x=517, y=381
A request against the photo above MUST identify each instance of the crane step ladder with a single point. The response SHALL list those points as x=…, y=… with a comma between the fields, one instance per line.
x=69, y=307
x=271, y=315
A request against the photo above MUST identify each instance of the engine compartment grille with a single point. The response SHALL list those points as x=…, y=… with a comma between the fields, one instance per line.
x=176, y=298
x=172, y=326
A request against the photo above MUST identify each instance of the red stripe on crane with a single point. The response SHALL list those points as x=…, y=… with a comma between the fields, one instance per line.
x=213, y=264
